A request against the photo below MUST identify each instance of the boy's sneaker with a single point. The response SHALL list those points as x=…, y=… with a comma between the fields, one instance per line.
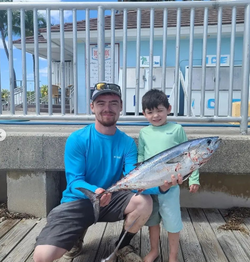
x=76, y=250
x=127, y=254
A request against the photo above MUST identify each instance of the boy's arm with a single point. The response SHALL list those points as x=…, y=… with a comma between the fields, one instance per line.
x=141, y=158
x=194, y=178
x=140, y=149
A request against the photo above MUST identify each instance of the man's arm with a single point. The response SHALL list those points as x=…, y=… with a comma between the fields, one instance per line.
x=75, y=163
x=130, y=158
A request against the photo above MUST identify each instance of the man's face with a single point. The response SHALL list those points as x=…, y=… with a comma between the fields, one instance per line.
x=107, y=109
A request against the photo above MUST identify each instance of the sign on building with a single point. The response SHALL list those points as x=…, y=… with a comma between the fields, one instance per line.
x=211, y=60
x=144, y=61
x=94, y=64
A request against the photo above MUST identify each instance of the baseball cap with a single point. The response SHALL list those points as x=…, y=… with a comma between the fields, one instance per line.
x=103, y=88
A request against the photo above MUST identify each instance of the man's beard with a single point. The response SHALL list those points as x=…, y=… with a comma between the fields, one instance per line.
x=109, y=123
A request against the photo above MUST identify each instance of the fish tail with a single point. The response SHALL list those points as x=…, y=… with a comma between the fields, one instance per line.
x=94, y=199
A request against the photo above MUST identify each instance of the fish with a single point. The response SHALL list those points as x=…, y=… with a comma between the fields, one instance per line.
x=181, y=159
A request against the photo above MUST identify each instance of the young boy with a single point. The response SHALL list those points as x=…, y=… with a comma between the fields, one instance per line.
x=153, y=139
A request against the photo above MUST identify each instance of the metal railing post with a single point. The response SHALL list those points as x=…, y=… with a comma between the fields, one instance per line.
x=245, y=74
x=101, y=44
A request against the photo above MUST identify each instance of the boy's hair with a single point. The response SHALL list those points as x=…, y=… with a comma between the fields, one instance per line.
x=153, y=98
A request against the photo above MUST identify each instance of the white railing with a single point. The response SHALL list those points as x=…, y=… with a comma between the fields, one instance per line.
x=158, y=31
x=71, y=98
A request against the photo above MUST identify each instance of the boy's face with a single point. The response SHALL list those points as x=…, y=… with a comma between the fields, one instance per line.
x=157, y=116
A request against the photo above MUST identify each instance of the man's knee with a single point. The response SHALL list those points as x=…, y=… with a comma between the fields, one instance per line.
x=39, y=256
x=145, y=205
x=148, y=203
x=47, y=253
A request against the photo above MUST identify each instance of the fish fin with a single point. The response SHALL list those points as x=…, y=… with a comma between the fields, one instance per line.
x=186, y=176
x=139, y=191
x=95, y=200
x=177, y=159
x=138, y=164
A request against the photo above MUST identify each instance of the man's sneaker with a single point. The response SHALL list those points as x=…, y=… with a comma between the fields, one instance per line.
x=76, y=250
x=127, y=254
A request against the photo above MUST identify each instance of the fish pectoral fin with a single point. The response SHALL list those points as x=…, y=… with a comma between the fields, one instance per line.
x=177, y=159
x=138, y=164
x=186, y=176
x=139, y=191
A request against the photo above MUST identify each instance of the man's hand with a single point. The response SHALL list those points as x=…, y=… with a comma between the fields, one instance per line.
x=173, y=182
x=105, y=199
x=194, y=188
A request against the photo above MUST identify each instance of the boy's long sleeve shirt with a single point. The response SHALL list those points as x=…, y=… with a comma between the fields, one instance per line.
x=155, y=139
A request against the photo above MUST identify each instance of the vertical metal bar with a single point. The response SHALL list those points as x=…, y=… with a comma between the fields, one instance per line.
x=177, y=58
x=245, y=76
x=75, y=75
x=204, y=57
x=190, y=67
x=138, y=51
x=62, y=61
x=49, y=58
x=24, y=93
x=87, y=47
x=124, y=67
x=151, y=49
x=101, y=44
x=36, y=53
x=11, y=64
x=164, y=49
x=218, y=55
x=231, y=68
x=1, y=105
x=112, y=47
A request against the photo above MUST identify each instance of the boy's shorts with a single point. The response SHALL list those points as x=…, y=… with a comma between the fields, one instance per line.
x=167, y=208
x=67, y=222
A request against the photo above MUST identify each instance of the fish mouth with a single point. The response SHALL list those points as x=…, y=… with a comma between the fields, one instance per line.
x=214, y=142
x=217, y=143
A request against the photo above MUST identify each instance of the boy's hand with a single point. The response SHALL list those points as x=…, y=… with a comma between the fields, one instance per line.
x=194, y=188
x=105, y=199
x=174, y=181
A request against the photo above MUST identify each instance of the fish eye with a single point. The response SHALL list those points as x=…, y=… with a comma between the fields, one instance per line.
x=209, y=141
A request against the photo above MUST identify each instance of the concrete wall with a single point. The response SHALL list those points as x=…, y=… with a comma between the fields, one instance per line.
x=33, y=160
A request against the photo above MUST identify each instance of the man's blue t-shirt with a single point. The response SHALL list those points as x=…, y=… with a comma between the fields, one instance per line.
x=94, y=160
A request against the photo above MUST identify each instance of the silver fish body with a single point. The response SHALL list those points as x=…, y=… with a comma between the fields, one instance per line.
x=182, y=159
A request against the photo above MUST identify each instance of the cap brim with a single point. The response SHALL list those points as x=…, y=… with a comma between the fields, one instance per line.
x=97, y=93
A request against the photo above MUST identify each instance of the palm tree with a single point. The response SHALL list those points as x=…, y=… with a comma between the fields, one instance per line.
x=29, y=28
x=44, y=90
x=4, y=30
x=16, y=29
x=5, y=94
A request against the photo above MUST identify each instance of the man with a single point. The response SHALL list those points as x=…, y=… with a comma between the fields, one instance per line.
x=95, y=157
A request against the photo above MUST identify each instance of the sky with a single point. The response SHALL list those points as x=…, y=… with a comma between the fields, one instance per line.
x=4, y=65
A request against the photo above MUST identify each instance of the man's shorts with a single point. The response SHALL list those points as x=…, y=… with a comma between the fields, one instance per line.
x=67, y=222
x=167, y=208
